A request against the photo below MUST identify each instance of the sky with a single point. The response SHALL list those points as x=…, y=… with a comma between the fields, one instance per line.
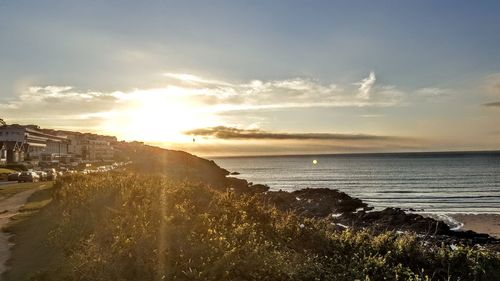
x=257, y=77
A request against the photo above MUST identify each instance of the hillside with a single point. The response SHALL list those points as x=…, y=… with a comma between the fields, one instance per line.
x=164, y=219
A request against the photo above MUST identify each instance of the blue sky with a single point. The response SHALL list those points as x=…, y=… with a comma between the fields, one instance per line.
x=434, y=63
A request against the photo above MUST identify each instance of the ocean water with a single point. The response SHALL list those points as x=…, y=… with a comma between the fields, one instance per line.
x=435, y=183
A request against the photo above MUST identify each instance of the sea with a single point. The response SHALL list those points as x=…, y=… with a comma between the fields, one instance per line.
x=430, y=183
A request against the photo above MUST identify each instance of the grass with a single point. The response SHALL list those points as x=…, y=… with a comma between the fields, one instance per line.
x=39, y=199
x=8, y=190
x=31, y=252
x=123, y=226
x=6, y=171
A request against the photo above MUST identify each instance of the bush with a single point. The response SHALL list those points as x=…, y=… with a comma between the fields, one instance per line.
x=122, y=226
x=16, y=167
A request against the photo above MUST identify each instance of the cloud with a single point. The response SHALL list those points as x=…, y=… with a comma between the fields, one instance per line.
x=492, y=84
x=61, y=100
x=214, y=95
x=193, y=79
x=222, y=140
x=366, y=85
x=298, y=92
x=61, y=106
x=50, y=104
x=492, y=104
x=433, y=92
x=223, y=132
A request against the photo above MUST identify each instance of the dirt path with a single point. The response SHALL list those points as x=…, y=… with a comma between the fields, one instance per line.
x=8, y=208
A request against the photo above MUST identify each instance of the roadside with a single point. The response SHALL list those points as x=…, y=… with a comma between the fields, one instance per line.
x=12, y=199
x=12, y=188
x=28, y=231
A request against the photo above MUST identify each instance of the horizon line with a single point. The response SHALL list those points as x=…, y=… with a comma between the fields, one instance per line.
x=442, y=152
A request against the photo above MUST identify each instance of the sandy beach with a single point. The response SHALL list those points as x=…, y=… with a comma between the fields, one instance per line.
x=483, y=223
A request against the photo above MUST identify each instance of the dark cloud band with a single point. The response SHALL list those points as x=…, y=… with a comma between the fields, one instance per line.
x=222, y=132
x=492, y=104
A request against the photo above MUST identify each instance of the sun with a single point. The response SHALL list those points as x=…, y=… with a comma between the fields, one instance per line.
x=160, y=115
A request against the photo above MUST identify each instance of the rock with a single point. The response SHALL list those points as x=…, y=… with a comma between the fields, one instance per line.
x=326, y=201
x=314, y=202
x=234, y=173
x=239, y=185
x=259, y=187
x=396, y=219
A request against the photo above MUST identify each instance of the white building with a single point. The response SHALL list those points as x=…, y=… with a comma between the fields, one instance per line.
x=91, y=146
x=29, y=143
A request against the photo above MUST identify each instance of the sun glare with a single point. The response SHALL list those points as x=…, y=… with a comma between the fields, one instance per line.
x=160, y=115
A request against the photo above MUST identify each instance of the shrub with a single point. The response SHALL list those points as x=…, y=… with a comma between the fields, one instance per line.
x=123, y=226
x=17, y=167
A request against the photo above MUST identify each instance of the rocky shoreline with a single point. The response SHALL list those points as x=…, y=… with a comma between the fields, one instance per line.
x=344, y=211
x=340, y=209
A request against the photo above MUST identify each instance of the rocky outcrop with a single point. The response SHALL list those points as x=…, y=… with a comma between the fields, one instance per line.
x=398, y=220
x=259, y=188
x=320, y=203
x=312, y=202
x=352, y=212
x=395, y=219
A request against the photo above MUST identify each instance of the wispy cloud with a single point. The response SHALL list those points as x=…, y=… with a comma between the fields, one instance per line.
x=60, y=101
x=54, y=103
x=218, y=94
x=62, y=107
x=194, y=79
x=433, y=92
x=288, y=93
x=492, y=84
x=366, y=85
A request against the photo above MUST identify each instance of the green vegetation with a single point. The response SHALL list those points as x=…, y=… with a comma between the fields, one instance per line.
x=16, y=167
x=30, y=231
x=39, y=199
x=7, y=190
x=6, y=171
x=124, y=226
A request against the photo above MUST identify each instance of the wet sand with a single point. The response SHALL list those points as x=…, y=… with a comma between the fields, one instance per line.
x=482, y=223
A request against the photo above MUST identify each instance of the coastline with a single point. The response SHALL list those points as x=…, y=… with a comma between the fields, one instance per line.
x=480, y=223
x=302, y=216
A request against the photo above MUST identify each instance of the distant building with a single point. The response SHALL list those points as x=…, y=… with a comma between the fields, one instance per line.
x=28, y=143
x=3, y=154
x=92, y=147
x=100, y=150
